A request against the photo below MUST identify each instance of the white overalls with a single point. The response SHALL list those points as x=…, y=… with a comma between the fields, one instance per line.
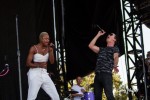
x=39, y=78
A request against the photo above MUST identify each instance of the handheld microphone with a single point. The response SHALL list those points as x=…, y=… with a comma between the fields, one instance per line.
x=97, y=27
x=51, y=44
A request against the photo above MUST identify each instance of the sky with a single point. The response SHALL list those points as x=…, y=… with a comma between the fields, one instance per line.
x=146, y=37
x=121, y=64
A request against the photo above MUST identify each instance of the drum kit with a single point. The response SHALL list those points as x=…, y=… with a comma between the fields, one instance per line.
x=87, y=95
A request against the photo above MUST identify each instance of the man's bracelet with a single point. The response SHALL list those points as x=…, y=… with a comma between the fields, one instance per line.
x=115, y=66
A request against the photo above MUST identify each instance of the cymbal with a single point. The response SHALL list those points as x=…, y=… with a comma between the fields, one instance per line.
x=72, y=92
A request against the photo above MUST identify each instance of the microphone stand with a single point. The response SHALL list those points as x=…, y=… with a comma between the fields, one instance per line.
x=18, y=54
x=6, y=69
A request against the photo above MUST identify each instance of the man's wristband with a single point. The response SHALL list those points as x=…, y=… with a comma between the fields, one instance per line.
x=115, y=66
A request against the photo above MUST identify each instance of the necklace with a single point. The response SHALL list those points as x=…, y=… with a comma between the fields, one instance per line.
x=43, y=49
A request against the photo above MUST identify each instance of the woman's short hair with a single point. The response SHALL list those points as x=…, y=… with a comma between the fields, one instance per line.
x=42, y=34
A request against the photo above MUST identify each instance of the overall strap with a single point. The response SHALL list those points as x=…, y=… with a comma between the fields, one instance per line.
x=36, y=48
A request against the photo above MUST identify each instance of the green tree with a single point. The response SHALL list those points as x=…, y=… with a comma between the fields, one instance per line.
x=119, y=89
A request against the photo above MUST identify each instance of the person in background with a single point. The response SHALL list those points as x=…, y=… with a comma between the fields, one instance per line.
x=107, y=60
x=79, y=89
x=147, y=62
x=38, y=77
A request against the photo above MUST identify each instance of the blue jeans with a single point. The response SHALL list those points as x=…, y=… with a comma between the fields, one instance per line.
x=103, y=80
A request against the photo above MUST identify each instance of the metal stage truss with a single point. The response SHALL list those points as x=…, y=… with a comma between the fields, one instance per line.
x=134, y=51
x=60, y=54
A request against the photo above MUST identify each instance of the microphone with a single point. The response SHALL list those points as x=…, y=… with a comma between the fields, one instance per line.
x=97, y=27
x=51, y=44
